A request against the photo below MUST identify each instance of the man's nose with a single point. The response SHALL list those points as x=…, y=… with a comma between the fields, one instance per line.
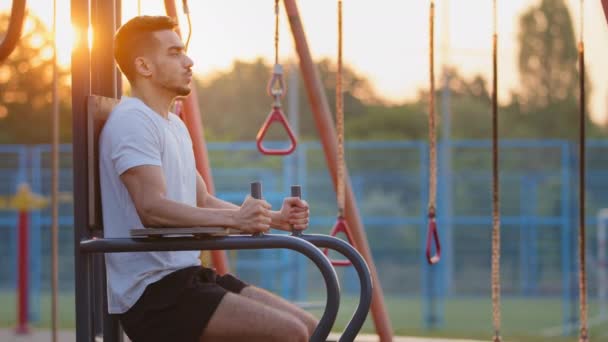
x=189, y=62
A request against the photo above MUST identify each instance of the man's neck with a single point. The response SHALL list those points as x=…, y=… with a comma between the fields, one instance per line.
x=159, y=102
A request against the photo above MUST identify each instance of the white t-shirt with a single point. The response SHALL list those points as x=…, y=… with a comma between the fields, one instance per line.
x=135, y=135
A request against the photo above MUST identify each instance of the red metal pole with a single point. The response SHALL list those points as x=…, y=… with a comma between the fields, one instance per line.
x=192, y=119
x=327, y=132
x=605, y=6
x=22, y=269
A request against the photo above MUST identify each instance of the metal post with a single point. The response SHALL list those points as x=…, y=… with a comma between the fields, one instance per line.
x=104, y=82
x=602, y=285
x=81, y=87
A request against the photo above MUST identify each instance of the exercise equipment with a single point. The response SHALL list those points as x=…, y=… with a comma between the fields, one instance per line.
x=432, y=236
x=276, y=90
x=582, y=249
x=496, y=319
x=13, y=32
x=341, y=225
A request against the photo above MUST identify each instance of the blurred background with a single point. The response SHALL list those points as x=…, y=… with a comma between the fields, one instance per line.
x=386, y=129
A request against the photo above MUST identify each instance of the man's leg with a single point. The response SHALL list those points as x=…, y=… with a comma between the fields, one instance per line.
x=238, y=318
x=274, y=301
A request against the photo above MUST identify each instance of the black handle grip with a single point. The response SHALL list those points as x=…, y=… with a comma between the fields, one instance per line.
x=296, y=191
x=256, y=190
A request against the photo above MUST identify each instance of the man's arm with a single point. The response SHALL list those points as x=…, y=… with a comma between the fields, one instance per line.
x=293, y=213
x=146, y=186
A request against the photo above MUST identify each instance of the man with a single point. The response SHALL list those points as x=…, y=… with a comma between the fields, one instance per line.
x=148, y=179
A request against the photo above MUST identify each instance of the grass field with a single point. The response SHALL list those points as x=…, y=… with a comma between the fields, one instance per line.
x=523, y=319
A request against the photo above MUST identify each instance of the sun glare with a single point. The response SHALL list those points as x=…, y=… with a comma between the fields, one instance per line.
x=66, y=37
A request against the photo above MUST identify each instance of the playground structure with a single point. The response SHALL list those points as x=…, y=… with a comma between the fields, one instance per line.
x=100, y=85
x=100, y=77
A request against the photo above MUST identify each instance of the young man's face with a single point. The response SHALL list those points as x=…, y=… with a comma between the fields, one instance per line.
x=172, y=68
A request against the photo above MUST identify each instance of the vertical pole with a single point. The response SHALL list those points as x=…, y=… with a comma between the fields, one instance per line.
x=23, y=269
x=54, y=185
x=327, y=132
x=297, y=275
x=426, y=276
x=192, y=119
x=602, y=285
x=104, y=82
x=81, y=87
x=446, y=212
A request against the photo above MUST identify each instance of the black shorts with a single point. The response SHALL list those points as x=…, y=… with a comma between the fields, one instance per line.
x=179, y=306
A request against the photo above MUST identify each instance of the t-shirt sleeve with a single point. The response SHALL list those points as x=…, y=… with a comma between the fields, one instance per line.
x=136, y=142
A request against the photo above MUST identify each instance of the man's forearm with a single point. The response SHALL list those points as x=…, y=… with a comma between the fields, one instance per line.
x=216, y=203
x=167, y=213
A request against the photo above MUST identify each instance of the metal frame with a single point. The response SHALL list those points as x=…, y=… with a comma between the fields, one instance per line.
x=94, y=72
x=13, y=32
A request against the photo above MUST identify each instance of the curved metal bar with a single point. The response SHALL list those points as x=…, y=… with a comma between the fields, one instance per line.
x=269, y=241
x=365, y=298
x=15, y=26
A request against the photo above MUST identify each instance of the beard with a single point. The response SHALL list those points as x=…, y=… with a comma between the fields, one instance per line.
x=182, y=91
x=178, y=90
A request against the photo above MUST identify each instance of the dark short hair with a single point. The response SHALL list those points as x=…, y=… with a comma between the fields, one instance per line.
x=134, y=37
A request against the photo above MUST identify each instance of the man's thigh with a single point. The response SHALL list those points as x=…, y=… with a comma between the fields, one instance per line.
x=238, y=318
x=274, y=301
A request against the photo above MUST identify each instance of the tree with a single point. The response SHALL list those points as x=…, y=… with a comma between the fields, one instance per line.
x=548, y=100
x=25, y=88
x=547, y=55
x=234, y=103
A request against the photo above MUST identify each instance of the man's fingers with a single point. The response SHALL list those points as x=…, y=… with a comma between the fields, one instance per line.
x=298, y=215
x=296, y=202
x=300, y=226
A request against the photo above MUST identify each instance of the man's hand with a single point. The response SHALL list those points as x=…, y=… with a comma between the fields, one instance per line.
x=253, y=216
x=294, y=215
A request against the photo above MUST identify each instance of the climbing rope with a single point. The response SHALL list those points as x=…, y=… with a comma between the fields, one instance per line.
x=276, y=31
x=340, y=119
x=341, y=225
x=55, y=188
x=432, y=234
x=495, y=188
x=582, y=276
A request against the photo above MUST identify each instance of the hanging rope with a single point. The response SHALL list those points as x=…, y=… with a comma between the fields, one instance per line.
x=276, y=89
x=54, y=186
x=341, y=225
x=276, y=31
x=340, y=119
x=495, y=188
x=582, y=279
x=432, y=234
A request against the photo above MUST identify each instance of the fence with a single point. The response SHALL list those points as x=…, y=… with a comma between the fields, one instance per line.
x=389, y=179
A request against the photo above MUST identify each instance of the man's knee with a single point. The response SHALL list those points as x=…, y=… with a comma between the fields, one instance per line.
x=294, y=331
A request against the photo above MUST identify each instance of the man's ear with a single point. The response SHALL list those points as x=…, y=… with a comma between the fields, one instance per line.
x=143, y=66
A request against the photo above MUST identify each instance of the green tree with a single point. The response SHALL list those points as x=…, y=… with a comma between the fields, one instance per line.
x=547, y=104
x=234, y=103
x=25, y=88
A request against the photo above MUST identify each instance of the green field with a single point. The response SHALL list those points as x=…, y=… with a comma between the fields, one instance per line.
x=523, y=319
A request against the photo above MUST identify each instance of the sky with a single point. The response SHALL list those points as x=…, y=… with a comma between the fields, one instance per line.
x=384, y=40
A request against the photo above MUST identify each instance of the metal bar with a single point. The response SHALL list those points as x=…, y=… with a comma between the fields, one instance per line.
x=13, y=32
x=81, y=87
x=235, y=242
x=365, y=297
x=327, y=133
x=103, y=82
